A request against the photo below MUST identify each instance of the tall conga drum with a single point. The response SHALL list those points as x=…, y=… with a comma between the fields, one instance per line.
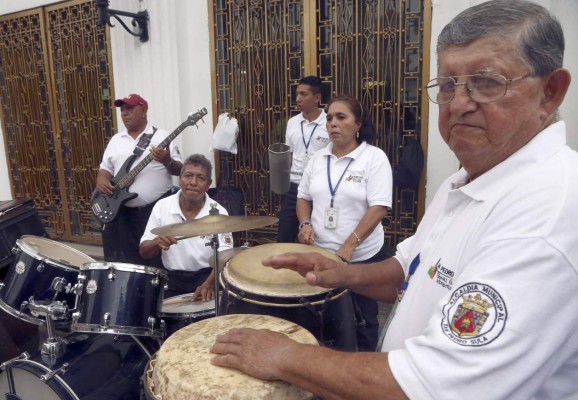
x=251, y=288
x=181, y=369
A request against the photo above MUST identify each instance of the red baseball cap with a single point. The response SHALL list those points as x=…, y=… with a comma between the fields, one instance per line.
x=132, y=100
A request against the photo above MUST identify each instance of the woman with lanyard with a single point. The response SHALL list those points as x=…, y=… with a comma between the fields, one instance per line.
x=344, y=194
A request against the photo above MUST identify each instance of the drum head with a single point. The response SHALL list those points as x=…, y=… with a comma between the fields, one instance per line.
x=43, y=248
x=183, y=305
x=246, y=272
x=183, y=369
x=94, y=266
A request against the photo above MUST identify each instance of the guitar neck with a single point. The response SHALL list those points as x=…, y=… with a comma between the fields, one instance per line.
x=128, y=178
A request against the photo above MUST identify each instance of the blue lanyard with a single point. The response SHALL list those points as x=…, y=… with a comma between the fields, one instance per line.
x=310, y=136
x=331, y=190
x=412, y=267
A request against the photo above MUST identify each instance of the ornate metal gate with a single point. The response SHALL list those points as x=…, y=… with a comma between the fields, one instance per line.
x=54, y=138
x=372, y=49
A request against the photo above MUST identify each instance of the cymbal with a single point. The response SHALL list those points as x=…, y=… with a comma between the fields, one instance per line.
x=225, y=255
x=212, y=224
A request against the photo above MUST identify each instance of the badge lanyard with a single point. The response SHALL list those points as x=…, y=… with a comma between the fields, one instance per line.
x=331, y=190
x=412, y=267
x=306, y=144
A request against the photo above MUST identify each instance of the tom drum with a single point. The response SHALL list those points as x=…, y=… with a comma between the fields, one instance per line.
x=42, y=273
x=119, y=298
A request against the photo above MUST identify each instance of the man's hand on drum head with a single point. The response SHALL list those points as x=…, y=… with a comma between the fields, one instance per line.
x=164, y=242
x=257, y=352
x=317, y=269
x=206, y=290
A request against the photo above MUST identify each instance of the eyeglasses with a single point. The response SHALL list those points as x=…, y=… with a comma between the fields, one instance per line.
x=482, y=88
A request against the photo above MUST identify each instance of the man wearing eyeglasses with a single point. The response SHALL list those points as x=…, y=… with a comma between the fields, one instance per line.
x=485, y=291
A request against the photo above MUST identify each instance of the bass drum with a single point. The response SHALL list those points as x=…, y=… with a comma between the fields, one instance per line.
x=93, y=367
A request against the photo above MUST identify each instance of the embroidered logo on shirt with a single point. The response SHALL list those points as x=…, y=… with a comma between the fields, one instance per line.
x=354, y=178
x=475, y=315
x=443, y=275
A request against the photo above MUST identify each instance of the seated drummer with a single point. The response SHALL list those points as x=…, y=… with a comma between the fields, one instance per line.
x=186, y=260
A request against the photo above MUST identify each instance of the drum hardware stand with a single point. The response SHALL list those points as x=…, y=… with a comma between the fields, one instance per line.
x=246, y=244
x=54, y=346
x=214, y=243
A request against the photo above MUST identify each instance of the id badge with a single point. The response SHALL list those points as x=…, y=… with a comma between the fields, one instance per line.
x=306, y=161
x=331, y=214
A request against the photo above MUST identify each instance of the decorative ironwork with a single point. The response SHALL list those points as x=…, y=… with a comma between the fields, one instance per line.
x=372, y=49
x=55, y=139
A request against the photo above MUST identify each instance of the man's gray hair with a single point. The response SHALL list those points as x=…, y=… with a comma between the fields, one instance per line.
x=199, y=159
x=537, y=35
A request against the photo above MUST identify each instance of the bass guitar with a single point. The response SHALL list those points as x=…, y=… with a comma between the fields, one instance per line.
x=105, y=207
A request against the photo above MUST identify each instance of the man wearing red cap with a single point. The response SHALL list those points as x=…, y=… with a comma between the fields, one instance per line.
x=121, y=236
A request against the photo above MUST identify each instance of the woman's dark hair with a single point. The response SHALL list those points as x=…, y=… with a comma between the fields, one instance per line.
x=366, y=131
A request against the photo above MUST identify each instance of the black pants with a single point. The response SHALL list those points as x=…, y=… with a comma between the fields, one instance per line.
x=288, y=221
x=184, y=282
x=121, y=237
x=366, y=309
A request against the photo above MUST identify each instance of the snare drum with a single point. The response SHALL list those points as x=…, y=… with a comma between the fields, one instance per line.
x=251, y=288
x=119, y=298
x=180, y=311
x=93, y=367
x=182, y=369
x=42, y=273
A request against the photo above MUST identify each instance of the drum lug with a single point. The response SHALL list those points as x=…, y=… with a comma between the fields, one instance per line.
x=155, y=281
x=111, y=275
x=15, y=250
x=51, y=374
x=40, y=266
x=76, y=315
x=152, y=322
x=106, y=320
x=6, y=364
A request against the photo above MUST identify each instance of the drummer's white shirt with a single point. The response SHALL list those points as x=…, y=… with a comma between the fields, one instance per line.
x=509, y=236
x=190, y=254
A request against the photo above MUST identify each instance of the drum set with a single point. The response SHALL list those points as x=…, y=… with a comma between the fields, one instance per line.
x=104, y=321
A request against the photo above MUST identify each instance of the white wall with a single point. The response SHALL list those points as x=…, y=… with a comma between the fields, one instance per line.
x=172, y=71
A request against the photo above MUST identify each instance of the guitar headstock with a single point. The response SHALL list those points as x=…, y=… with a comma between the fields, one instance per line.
x=195, y=116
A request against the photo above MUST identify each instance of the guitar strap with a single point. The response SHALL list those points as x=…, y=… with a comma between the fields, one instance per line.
x=143, y=143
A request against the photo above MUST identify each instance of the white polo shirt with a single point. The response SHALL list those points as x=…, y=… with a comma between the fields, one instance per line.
x=313, y=137
x=367, y=181
x=154, y=180
x=491, y=310
x=189, y=254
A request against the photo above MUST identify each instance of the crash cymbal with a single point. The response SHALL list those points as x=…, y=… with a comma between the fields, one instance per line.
x=225, y=255
x=212, y=224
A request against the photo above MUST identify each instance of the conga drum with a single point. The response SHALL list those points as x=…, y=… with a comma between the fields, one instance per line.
x=251, y=288
x=181, y=369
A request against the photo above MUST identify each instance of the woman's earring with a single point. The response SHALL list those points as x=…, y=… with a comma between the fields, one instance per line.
x=357, y=135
